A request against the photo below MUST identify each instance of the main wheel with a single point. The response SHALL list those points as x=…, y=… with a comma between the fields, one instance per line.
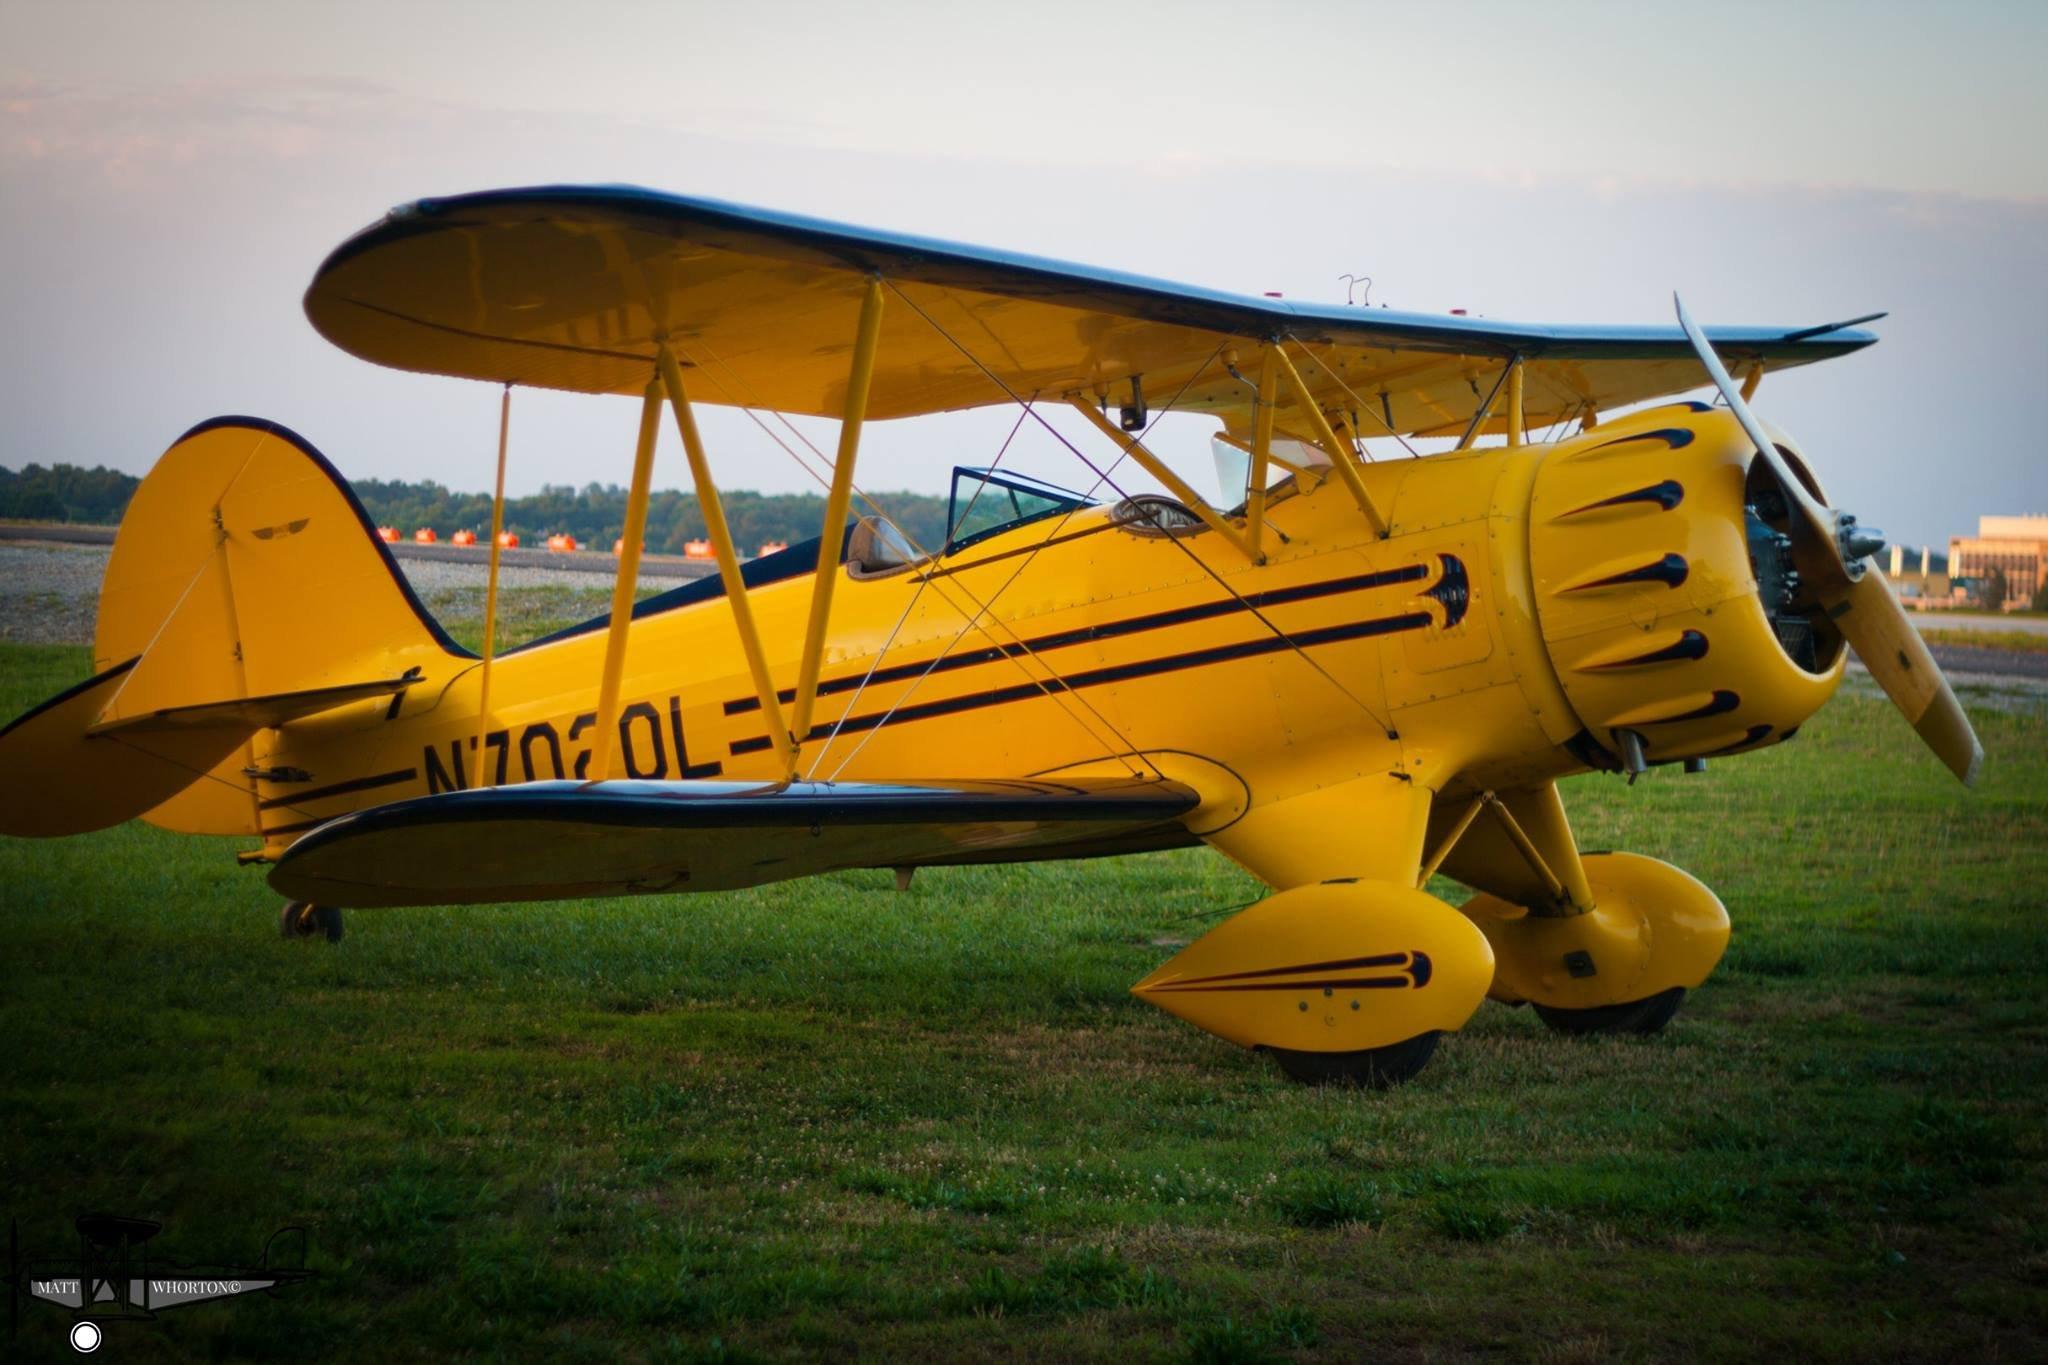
x=1624, y=966
x=300, y=919
x=1374, y=1068
x=1344, y=982
x=1645, y=1016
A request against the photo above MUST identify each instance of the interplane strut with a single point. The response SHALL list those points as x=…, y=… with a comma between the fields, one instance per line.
x=836, y=501
x=483, y=701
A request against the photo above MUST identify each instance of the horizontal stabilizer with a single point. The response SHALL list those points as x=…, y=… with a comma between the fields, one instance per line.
x=555, y=840
x=62, y=781
x=72, y=770
x=250, y=714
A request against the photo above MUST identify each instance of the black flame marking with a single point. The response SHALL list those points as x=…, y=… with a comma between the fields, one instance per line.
x=1666, y=495
x=1671, y=571
x=1691, y=645
x=1723, y=702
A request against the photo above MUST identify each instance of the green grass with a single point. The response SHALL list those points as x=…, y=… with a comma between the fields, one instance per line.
x=2025, y=642
x=828, y=1119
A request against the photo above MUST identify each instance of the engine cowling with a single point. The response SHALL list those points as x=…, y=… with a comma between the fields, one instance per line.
x=1664, y=594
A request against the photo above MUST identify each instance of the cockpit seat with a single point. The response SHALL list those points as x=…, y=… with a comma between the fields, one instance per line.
x=877, y=548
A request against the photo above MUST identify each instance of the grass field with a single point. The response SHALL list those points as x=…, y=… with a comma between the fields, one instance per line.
x=829, y=1119
x=2021, y=641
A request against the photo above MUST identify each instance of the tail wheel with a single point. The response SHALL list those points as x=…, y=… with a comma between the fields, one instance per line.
x=1645, y=1016
x=1374, y=1068
x=301, y=919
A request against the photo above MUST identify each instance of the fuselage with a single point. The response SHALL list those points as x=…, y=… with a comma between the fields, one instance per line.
x=1090, y=642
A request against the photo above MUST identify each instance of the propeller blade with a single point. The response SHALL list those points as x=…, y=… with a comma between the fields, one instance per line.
x=1795, y=491
x=1815, y=548
x=1861, y=603
x=1871, y=619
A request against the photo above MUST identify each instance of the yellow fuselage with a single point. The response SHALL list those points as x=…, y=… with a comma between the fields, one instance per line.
x=1453, y=653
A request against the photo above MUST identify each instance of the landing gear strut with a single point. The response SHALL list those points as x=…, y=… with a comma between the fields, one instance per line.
x=301, y=919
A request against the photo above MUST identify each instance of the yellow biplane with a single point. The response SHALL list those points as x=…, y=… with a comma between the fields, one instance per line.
x=1365, y=673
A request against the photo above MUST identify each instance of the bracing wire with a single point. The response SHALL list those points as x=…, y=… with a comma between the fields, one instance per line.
x=971, y=618
x=1104, y=477
x=197, y=773
x=1358, y=402
x=923, y=581
x=1028, y=410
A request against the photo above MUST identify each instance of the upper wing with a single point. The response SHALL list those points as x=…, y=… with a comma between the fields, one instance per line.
x=573, y=288
x=551, y=840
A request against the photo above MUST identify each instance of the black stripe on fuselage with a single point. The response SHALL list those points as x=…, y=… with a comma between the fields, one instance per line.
x=1722, y=702
x=1109, y=630
x=1113, y=673
x=359, y=784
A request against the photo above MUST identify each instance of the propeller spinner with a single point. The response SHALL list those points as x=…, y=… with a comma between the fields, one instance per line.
x=1832, y=555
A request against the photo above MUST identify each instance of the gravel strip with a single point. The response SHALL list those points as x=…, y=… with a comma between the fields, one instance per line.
x=49, y=593
x=431, y=577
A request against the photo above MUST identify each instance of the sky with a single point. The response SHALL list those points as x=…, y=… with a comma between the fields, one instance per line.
x=171, y=175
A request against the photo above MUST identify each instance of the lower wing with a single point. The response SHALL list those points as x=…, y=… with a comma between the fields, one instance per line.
x=554, y=840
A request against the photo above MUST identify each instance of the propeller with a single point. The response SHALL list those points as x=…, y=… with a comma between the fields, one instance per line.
x=1832, y=554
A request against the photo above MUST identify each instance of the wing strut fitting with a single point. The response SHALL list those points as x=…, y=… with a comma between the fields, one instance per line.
x=1485, y=408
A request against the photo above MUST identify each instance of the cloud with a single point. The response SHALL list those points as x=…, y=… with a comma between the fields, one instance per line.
x=186, y=218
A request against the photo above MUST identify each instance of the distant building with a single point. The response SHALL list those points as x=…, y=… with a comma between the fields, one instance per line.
x=2017, y=545
x=1920, y=579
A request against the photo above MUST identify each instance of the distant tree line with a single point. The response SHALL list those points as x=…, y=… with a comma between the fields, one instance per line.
x=65, y=493
x=595, y=514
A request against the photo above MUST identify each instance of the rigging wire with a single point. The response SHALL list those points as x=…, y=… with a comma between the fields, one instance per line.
x=238, y=788
x=1029, y=410
x=1360, y=403
x=971, y=619
x=924, y=581
x=248, y=787
x=1110, y=750
x=1176, y=541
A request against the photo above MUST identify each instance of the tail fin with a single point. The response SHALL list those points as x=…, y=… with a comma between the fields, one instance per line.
x=247, y=588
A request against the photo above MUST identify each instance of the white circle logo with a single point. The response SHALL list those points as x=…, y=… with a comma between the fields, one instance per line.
x=85, y=1337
